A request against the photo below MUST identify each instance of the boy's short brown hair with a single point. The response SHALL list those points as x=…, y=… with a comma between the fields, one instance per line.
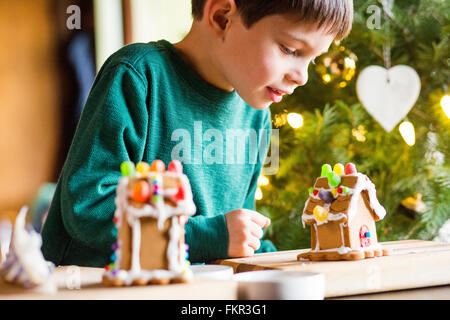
x=334, y=16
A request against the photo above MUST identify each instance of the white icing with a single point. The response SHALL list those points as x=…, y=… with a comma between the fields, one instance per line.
x=317, y=238
x=172, y=247
x=341, y=226
x=146, y=275
x=136, y=245
x=343, y=249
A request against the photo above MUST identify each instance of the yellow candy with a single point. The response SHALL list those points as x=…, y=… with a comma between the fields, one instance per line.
x=320, y=213
x=334, y=192
x=143, y=168
x=338, y=168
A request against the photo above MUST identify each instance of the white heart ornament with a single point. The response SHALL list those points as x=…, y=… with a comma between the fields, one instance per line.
x=388, y=95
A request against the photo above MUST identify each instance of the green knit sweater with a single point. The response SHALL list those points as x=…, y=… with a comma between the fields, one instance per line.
x=146, y=103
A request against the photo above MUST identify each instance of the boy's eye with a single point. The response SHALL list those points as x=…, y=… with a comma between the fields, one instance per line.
x=294, y=53
x=287, y=51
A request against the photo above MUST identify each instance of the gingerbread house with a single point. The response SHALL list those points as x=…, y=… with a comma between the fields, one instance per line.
x=152, y=207
x=341, y=210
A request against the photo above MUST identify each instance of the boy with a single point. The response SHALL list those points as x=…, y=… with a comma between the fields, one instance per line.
x=238, y=58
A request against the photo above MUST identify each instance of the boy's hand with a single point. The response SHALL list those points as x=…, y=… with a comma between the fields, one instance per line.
x=244, y=231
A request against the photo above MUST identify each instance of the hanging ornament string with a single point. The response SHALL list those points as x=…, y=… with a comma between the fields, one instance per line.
x=387, y=6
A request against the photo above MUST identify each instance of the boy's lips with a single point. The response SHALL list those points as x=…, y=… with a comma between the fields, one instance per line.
x=276, y=94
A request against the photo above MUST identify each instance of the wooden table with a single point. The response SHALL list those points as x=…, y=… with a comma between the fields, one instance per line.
x=81, y=283
x=416, y=270
x=412, y=264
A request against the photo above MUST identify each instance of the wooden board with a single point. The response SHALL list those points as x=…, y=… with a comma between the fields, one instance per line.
x=412, y=264
x=85, y=283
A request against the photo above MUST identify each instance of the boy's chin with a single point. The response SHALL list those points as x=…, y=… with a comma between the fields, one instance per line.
x=260, y=105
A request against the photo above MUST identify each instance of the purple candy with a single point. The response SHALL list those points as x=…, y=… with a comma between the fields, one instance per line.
x=326, y=196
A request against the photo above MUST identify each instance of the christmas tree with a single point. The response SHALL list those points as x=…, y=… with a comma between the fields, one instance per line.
x=324, y=122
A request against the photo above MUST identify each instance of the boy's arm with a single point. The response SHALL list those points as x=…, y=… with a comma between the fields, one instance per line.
x=112, y=129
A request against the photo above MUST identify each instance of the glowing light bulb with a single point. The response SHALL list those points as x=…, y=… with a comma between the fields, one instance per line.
x=445, y=104
x=295, y=120
x=407, y=131
x=349, y=63
x=326, y=78
x=263, y=181
x=258, y=194
x=342, y=84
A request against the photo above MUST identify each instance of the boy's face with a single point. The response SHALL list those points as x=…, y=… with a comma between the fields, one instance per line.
x=266, y=61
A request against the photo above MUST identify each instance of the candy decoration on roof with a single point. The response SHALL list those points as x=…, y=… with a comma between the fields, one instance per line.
x=326, y=196
x=157, y=187
x=175, y=166
x=141, y=191
x=158, y=166
x=143, y=168
x=326, y=168
x=339, y=168
x=128, y=169
x=334, y=192
x=180, y=194
x=333, y=179
x=321, y=213
x=350, y=168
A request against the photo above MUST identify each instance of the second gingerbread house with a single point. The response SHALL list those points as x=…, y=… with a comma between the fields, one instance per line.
x=341, y=210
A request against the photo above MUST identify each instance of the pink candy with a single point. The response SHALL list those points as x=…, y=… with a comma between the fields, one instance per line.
x=350, y=168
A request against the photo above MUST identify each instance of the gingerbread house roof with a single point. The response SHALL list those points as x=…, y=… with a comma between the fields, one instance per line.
x=154, y=192
x=339, y=203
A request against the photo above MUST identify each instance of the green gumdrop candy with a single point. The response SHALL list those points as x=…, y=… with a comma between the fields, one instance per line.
x=333, y=179
x=311, y=190
x=128, y=169
x=326, y=168
x=345, y=190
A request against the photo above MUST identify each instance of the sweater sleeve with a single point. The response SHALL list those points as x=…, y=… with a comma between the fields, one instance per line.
x=112, y=129
x=207, y=238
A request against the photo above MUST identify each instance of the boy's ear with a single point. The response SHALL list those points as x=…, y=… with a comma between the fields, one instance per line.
x=218, y=15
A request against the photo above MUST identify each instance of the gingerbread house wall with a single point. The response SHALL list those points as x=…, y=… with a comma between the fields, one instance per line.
x=361, y=217
x=153, y=246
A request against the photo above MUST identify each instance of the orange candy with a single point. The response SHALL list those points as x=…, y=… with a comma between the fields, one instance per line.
x=158, y=166
x=141, y=191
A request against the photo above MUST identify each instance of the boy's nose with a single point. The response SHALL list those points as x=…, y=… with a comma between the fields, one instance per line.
x=298, y=75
